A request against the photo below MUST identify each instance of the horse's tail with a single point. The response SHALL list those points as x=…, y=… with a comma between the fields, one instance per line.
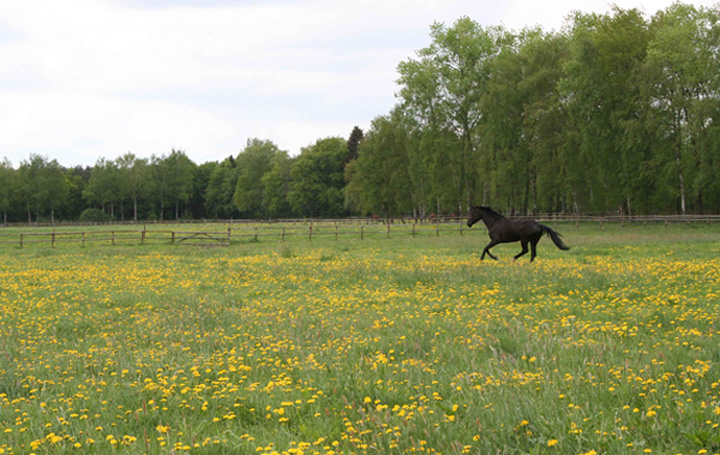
x=555, y=236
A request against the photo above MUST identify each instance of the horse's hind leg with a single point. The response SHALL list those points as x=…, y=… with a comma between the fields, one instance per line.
x=533, y=248
x=524, y=249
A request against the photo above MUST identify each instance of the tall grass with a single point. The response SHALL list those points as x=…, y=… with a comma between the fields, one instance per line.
x=399, y=345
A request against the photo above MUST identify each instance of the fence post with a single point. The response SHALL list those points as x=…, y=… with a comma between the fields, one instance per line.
x=21, y=240
x=83, y=239
x=310, y=233
x=388, y=231
x=336, y=231
x=52, y=239
x=255, y=233
x=283, y=234
x=362, y=234
x=437, y=228
x=413, y=229
x=172, y=237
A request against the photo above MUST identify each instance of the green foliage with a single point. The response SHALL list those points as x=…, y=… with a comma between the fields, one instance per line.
x=253, y=163
x=317, y=180
x=276, y=184
x=442, y=91
x=379, y=181
x=94, y=216
x=7, y=187
x=174, y=180
x=41, y=186
x=220, y=190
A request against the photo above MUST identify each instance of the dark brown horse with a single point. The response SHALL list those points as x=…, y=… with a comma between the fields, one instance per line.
x=504, y=230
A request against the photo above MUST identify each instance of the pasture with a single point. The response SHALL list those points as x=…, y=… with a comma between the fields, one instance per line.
x=399, y=345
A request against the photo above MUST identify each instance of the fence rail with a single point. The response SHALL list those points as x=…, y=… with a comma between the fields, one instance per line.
x=282, y=230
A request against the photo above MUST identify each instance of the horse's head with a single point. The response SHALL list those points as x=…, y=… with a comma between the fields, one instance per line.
x=474, y=215
x=478, y=212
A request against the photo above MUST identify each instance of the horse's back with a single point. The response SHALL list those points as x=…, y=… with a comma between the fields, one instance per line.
x=515, y=230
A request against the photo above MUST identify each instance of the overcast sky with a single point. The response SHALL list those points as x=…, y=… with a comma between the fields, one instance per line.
x=84, y=79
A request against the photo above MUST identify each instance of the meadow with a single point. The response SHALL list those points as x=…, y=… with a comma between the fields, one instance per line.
x=383, y=345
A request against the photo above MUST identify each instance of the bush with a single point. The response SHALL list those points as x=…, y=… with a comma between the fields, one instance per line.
x=94, y=216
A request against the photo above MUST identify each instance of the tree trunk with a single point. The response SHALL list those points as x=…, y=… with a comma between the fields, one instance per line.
x=681, y=179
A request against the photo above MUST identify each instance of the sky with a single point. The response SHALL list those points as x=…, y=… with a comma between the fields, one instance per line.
x=82, y=80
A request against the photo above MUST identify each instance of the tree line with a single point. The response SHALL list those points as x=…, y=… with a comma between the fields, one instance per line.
x=261, y=182
x=616, y=112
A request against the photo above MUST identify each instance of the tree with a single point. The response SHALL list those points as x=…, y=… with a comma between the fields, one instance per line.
x=175, y=180
x=253, y=163
x=201, y=180
x=316, y=187
x=42, y=186
x=353, y=142
x=553, y=181
x=8, y=187
x=105, y=186
x=76, y=180
x=220, y=190
x=507, y=159
x=379, y=181
x=443, y=90
x=136, y=179
x=276, y=184
x=682, y=90
x=602, y=97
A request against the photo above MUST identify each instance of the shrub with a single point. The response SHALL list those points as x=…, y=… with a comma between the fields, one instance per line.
x=94, y=216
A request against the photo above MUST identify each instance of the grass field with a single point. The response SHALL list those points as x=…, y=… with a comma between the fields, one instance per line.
x=400, y=345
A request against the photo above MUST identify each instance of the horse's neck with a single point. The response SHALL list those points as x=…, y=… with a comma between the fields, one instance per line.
x=491, y=219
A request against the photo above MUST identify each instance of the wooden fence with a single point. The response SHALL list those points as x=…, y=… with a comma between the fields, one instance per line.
x=240, y=231
x=117, y=237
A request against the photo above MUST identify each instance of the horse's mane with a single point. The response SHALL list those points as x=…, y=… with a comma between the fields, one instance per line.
x=491, y=211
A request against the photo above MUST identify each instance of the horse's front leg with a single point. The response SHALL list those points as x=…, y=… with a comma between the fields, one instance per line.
x=487, y=250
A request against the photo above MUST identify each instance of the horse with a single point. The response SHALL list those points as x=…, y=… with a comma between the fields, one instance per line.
x=504, y=230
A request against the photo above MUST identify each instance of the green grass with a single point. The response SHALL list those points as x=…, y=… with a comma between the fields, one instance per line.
x=399, y=345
